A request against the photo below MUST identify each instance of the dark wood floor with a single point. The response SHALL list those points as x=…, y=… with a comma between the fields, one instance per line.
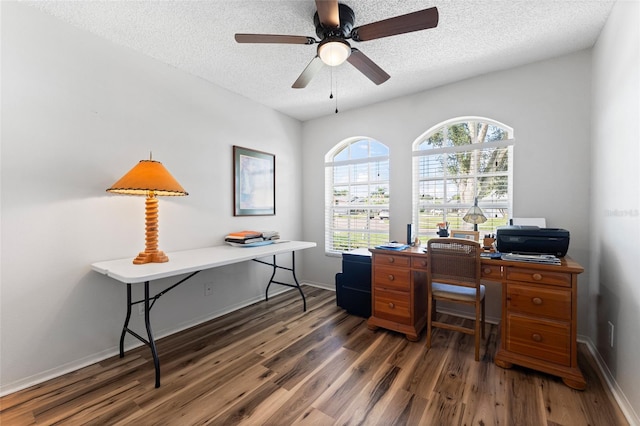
x=272, y=364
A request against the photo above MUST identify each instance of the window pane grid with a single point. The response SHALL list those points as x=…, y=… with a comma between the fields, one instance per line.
x=453, y=165
x=357, y=182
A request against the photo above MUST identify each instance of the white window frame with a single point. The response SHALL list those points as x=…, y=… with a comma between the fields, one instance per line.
x=505, y=205
x=372, y=236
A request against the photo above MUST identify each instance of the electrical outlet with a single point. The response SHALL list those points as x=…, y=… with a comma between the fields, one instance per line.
x=208, y=289
x=611, y=330
x=141, y=309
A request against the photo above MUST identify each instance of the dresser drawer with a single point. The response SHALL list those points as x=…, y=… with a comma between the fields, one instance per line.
x=391, y=259
x=491, y=272
x=419, y=262
x=392, y=305
x=536, y=338
x=538, y=276
x=540, y=301
x=389, y=277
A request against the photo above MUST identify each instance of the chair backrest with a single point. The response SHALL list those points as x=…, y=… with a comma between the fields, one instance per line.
x=454, y=261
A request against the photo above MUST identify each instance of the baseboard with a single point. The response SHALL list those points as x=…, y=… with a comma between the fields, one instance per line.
x=320, y=285
x=618, y=394
x=6, y=389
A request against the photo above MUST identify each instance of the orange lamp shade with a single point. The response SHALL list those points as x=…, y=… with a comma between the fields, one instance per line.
x=148, y=176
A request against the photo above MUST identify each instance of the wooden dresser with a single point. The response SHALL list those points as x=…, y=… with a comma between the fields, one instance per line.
x=539, y=308
x=398, y=293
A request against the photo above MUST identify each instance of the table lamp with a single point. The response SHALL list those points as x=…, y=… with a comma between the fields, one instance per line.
x=149, y=178
x=475, y=215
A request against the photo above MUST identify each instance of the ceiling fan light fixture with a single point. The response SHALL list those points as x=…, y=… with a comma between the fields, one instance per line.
x=334, y=51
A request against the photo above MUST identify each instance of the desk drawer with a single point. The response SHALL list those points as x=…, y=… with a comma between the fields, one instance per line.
x=419, y=262
x=538, y=276
x=491, y=272
x=540, y=301
x=392, y=305
x=395, y=278
x=391, y=259
x=545, y=340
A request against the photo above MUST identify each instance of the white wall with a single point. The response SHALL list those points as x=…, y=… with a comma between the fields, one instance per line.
x=77, y=113
x=615, y=210
x=547, y=104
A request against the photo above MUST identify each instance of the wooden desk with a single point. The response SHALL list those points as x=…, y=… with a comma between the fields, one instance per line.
x=191, y=262
x=539, y=308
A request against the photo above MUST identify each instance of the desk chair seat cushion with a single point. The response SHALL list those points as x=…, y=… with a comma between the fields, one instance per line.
x=465, y=294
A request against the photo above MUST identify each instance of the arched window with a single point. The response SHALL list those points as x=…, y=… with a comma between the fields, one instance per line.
x=356, y=195
x=457, y=162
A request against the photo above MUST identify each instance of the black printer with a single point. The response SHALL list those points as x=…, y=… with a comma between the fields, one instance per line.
x=532, y=240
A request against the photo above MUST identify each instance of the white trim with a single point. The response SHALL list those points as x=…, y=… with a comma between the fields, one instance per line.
x=625, y=406
x=320, y=285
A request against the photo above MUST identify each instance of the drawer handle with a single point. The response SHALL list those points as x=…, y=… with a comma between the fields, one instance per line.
x=391, y=260
x=487, y=271
x=536, y=277
x=391, y=277
x=536, y=337
x=391, y=305
x=423, y=263
x=536, y=301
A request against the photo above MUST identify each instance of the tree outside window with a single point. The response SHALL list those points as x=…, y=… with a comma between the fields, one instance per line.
x=455, y=162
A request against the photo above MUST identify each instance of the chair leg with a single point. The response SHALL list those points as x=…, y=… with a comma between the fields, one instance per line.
x=430, y=307
x=434, y=309
x=483, y=322
x=477, y=332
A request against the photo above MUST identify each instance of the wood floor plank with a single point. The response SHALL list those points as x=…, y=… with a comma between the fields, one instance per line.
x=524, y=399
x=308, y=391
x=313, y=417
x=273, y=364
x=336, y=398
x=483, y=399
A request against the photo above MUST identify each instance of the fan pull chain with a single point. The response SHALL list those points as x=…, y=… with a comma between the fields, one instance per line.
x=336, y=96
x=331, y=91
x=331, y=83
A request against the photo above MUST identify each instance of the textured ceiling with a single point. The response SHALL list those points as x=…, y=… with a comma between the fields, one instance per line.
x=472, y=38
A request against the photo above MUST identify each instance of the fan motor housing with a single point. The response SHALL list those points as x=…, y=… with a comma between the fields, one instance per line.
x=347, y=18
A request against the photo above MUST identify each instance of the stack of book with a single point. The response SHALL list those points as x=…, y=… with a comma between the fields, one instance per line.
x=392, y=246
x=244, y=238
x=548, y=259
x=270, y=235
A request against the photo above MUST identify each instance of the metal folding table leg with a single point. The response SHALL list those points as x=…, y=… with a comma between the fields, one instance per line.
x=151, y=342
x=295, y=279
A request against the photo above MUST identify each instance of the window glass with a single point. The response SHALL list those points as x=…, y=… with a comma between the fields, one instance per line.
x=357, y=199
x=456, y=163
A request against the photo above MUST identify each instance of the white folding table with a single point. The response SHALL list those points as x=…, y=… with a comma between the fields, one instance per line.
x=191, y=262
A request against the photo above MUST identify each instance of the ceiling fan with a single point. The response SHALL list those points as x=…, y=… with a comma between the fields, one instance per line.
x=334, y=26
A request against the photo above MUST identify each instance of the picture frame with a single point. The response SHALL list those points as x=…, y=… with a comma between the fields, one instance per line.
x=465, y=235
x=254, y=182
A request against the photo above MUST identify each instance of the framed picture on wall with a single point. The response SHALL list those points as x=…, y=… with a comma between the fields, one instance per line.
x=466, y=235
x=254, y=182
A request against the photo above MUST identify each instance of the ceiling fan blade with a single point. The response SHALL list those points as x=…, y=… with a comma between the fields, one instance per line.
x=328, y=13
x=367, y=67
x=274, y=38
x=415, y=21
x=309, y=72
